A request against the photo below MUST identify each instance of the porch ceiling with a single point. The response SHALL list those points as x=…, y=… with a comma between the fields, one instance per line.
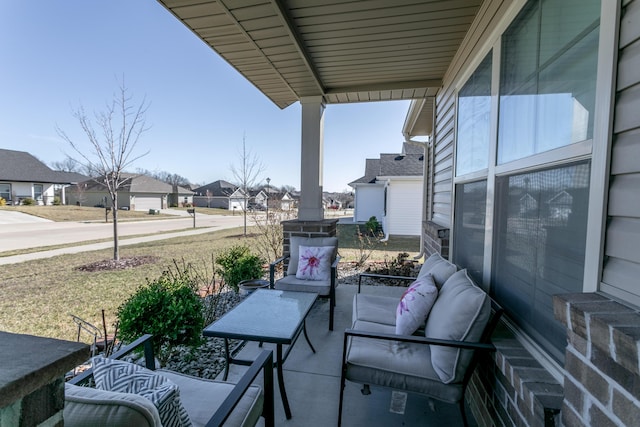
x=344, y=51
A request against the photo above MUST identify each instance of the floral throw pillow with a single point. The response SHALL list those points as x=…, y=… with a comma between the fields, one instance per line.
x=314, y=262
x=125, y=377
x=415, y=305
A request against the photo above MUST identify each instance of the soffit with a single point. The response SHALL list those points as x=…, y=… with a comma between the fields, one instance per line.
x=344, y=51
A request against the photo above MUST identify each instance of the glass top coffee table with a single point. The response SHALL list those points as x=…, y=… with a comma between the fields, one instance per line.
x=271, y=316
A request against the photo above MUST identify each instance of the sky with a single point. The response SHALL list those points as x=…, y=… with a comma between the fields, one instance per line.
x=57, y=56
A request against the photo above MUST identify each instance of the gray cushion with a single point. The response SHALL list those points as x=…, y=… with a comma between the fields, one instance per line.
x=375, y=308
x=292, y=283
x=294, y=252
x=125, y=377
x=202, y=397
x=439, y=268
x=86, y=406
x=396, y=365
x=460, y=313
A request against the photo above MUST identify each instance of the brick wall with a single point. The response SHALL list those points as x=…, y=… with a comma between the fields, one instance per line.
x=602, y=372
x=435, y=238
x=511, y=388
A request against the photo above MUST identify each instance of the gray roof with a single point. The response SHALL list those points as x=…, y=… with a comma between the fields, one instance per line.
x=138, y=184
x=218, y=188
x=409, y=148
x=20, y=166
x=392, y=165
x=371, y=171
x=401, y=165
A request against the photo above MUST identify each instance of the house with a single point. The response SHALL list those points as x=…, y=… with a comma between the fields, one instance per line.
x=24, y=176
x=515, y=97
x=214, y=195
x=391, y=190
x=139, y=192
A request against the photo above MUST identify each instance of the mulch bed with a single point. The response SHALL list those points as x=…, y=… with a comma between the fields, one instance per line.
x=121, y=264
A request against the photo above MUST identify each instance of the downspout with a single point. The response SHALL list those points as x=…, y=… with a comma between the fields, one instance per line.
x=425, y=149
x=386, y=229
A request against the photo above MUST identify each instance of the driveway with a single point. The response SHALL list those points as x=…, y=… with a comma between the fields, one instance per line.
x=13, y=217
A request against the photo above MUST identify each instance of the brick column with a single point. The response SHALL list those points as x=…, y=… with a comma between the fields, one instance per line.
x=435, y=238
x=32, y=378
x=602, y=369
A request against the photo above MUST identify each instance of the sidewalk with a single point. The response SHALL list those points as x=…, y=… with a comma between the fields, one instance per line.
x=98, y=246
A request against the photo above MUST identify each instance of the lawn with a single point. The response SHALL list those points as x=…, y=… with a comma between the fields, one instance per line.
x=37, y=297
x=80, y=213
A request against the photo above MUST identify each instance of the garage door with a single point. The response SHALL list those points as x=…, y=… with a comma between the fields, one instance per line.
x=143, y=203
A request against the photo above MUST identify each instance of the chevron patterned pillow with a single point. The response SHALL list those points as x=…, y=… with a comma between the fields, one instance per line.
x=125, y=377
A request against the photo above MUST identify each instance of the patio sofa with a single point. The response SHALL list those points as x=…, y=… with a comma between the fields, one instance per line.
x=438, y=357
x=204, y=402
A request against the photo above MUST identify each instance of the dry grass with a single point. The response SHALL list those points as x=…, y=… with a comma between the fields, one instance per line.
x=354, y=248
x=80, y=213
x=36, y=297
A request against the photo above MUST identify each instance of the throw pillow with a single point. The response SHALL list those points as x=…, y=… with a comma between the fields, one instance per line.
x=415, y=304
x=439, y=268
x=460, y=314
x=294, y=249
x=314, y=263
x=125, y=377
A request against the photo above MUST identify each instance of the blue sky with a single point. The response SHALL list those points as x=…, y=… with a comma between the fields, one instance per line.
x=58, y=55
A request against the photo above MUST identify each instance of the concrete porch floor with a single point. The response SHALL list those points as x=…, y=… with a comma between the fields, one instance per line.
x=312, y=381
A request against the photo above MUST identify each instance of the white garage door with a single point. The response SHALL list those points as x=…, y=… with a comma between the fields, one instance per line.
x=149, y=202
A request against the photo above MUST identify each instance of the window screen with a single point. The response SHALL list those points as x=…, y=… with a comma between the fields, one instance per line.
x=540, y=235
x=469, y=226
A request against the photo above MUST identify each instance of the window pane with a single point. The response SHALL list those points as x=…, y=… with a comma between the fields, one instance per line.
x=5, y=191
x=548, y=78
x=468, y=232
x=474, y=111
x=37, y=191
x=541, y=226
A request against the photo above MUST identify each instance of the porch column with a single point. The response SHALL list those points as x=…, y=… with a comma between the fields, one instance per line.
x=310, y=208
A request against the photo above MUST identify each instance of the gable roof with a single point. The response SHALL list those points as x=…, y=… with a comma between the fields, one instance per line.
x=137, y=184
x=371, y=171
x=218, y=188
x=20, y=166
x=401, y=165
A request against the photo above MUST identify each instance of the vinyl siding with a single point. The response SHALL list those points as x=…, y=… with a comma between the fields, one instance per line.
x=622, y=259
x=369, y=202
x=404, y=207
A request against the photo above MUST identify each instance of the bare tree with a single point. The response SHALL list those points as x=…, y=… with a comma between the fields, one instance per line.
x=246, y=175
x=69, y=164
x=112, y=141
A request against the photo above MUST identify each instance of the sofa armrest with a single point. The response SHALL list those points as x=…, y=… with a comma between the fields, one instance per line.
x=264, y=363
x=272, y=269
x=418, y=340
x=382, y=276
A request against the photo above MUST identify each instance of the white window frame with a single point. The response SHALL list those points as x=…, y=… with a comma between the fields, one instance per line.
x=598, y=150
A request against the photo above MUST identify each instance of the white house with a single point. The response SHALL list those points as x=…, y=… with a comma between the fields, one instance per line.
x=391, y=191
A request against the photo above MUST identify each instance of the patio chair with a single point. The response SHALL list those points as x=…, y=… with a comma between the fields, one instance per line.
x=207, y=402
x=432, y=363
x=324, y=284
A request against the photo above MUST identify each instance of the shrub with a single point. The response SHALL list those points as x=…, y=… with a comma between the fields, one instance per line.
x=56, y=201
x=168, y=307
x=28, y=201
x=3, y=202
x=373, y=226
x=237, y=264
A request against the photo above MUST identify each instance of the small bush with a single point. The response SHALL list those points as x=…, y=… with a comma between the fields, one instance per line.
x=3, y=202
x=237, y=264
x=168, y=307
x=56, y=201
x=373, y=226
x=28, y=201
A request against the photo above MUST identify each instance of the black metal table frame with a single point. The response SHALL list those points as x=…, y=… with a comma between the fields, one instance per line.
x=280, y=358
